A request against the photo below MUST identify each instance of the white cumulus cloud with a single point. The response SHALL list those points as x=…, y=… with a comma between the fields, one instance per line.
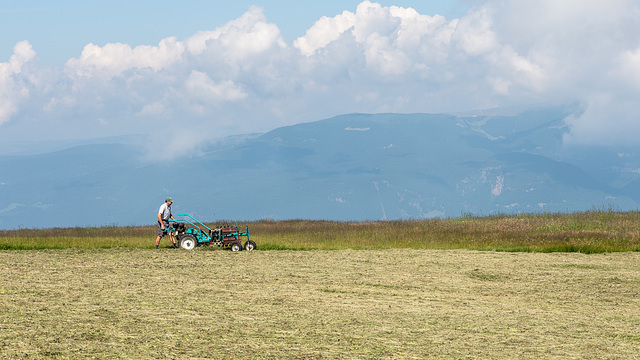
x=14, y=86
x=112, y=59
x=243, y=76
x=200, y=86
x=238, y=39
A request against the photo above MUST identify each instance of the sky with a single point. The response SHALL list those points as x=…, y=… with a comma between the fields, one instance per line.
x=192, y=72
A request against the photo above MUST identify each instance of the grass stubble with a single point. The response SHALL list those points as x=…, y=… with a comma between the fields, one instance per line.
x=394, y=303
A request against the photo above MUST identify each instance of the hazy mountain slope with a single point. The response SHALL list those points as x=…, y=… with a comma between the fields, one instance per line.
x=351, y=167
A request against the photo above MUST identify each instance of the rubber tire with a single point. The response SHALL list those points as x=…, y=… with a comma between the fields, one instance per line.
x=188, y=242
x=250, y=245
x=236, y=246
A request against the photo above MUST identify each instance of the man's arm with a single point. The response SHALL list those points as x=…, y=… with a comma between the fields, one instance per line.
x=160, y=220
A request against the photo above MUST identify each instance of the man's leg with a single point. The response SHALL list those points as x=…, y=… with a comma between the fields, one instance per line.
x=160, y=234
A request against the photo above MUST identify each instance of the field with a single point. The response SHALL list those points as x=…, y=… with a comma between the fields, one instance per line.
x=543, y=286
x=596, y=231
x=401, y=304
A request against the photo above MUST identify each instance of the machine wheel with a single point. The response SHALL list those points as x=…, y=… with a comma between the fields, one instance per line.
x=250, y=245
x=188, y=242
x=236, y=246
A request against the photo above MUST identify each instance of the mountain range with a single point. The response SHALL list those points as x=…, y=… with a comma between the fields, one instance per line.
x=351, y=167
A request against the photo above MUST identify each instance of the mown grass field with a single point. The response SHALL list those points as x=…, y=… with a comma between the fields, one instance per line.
x=342, y=304
x=543, y=286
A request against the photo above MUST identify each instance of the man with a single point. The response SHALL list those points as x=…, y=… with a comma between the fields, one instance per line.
x=164, y=214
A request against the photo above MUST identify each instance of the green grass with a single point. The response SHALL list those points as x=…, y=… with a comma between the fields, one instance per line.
x=595, y=231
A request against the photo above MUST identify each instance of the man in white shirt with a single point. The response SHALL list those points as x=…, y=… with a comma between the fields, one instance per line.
x=164, y=214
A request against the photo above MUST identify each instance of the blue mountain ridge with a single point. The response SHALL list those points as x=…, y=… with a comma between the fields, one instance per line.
x=350, y=167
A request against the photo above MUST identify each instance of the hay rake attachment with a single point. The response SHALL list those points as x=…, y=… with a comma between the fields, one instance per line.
x=190, y=233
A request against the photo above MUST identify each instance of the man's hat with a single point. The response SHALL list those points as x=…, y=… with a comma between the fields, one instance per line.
x=168, y=199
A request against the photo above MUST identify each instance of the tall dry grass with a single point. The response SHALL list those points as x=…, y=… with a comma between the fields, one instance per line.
x=593, y=231
x=588, y=232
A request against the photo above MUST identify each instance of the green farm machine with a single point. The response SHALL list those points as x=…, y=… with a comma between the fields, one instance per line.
x=190, y=233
